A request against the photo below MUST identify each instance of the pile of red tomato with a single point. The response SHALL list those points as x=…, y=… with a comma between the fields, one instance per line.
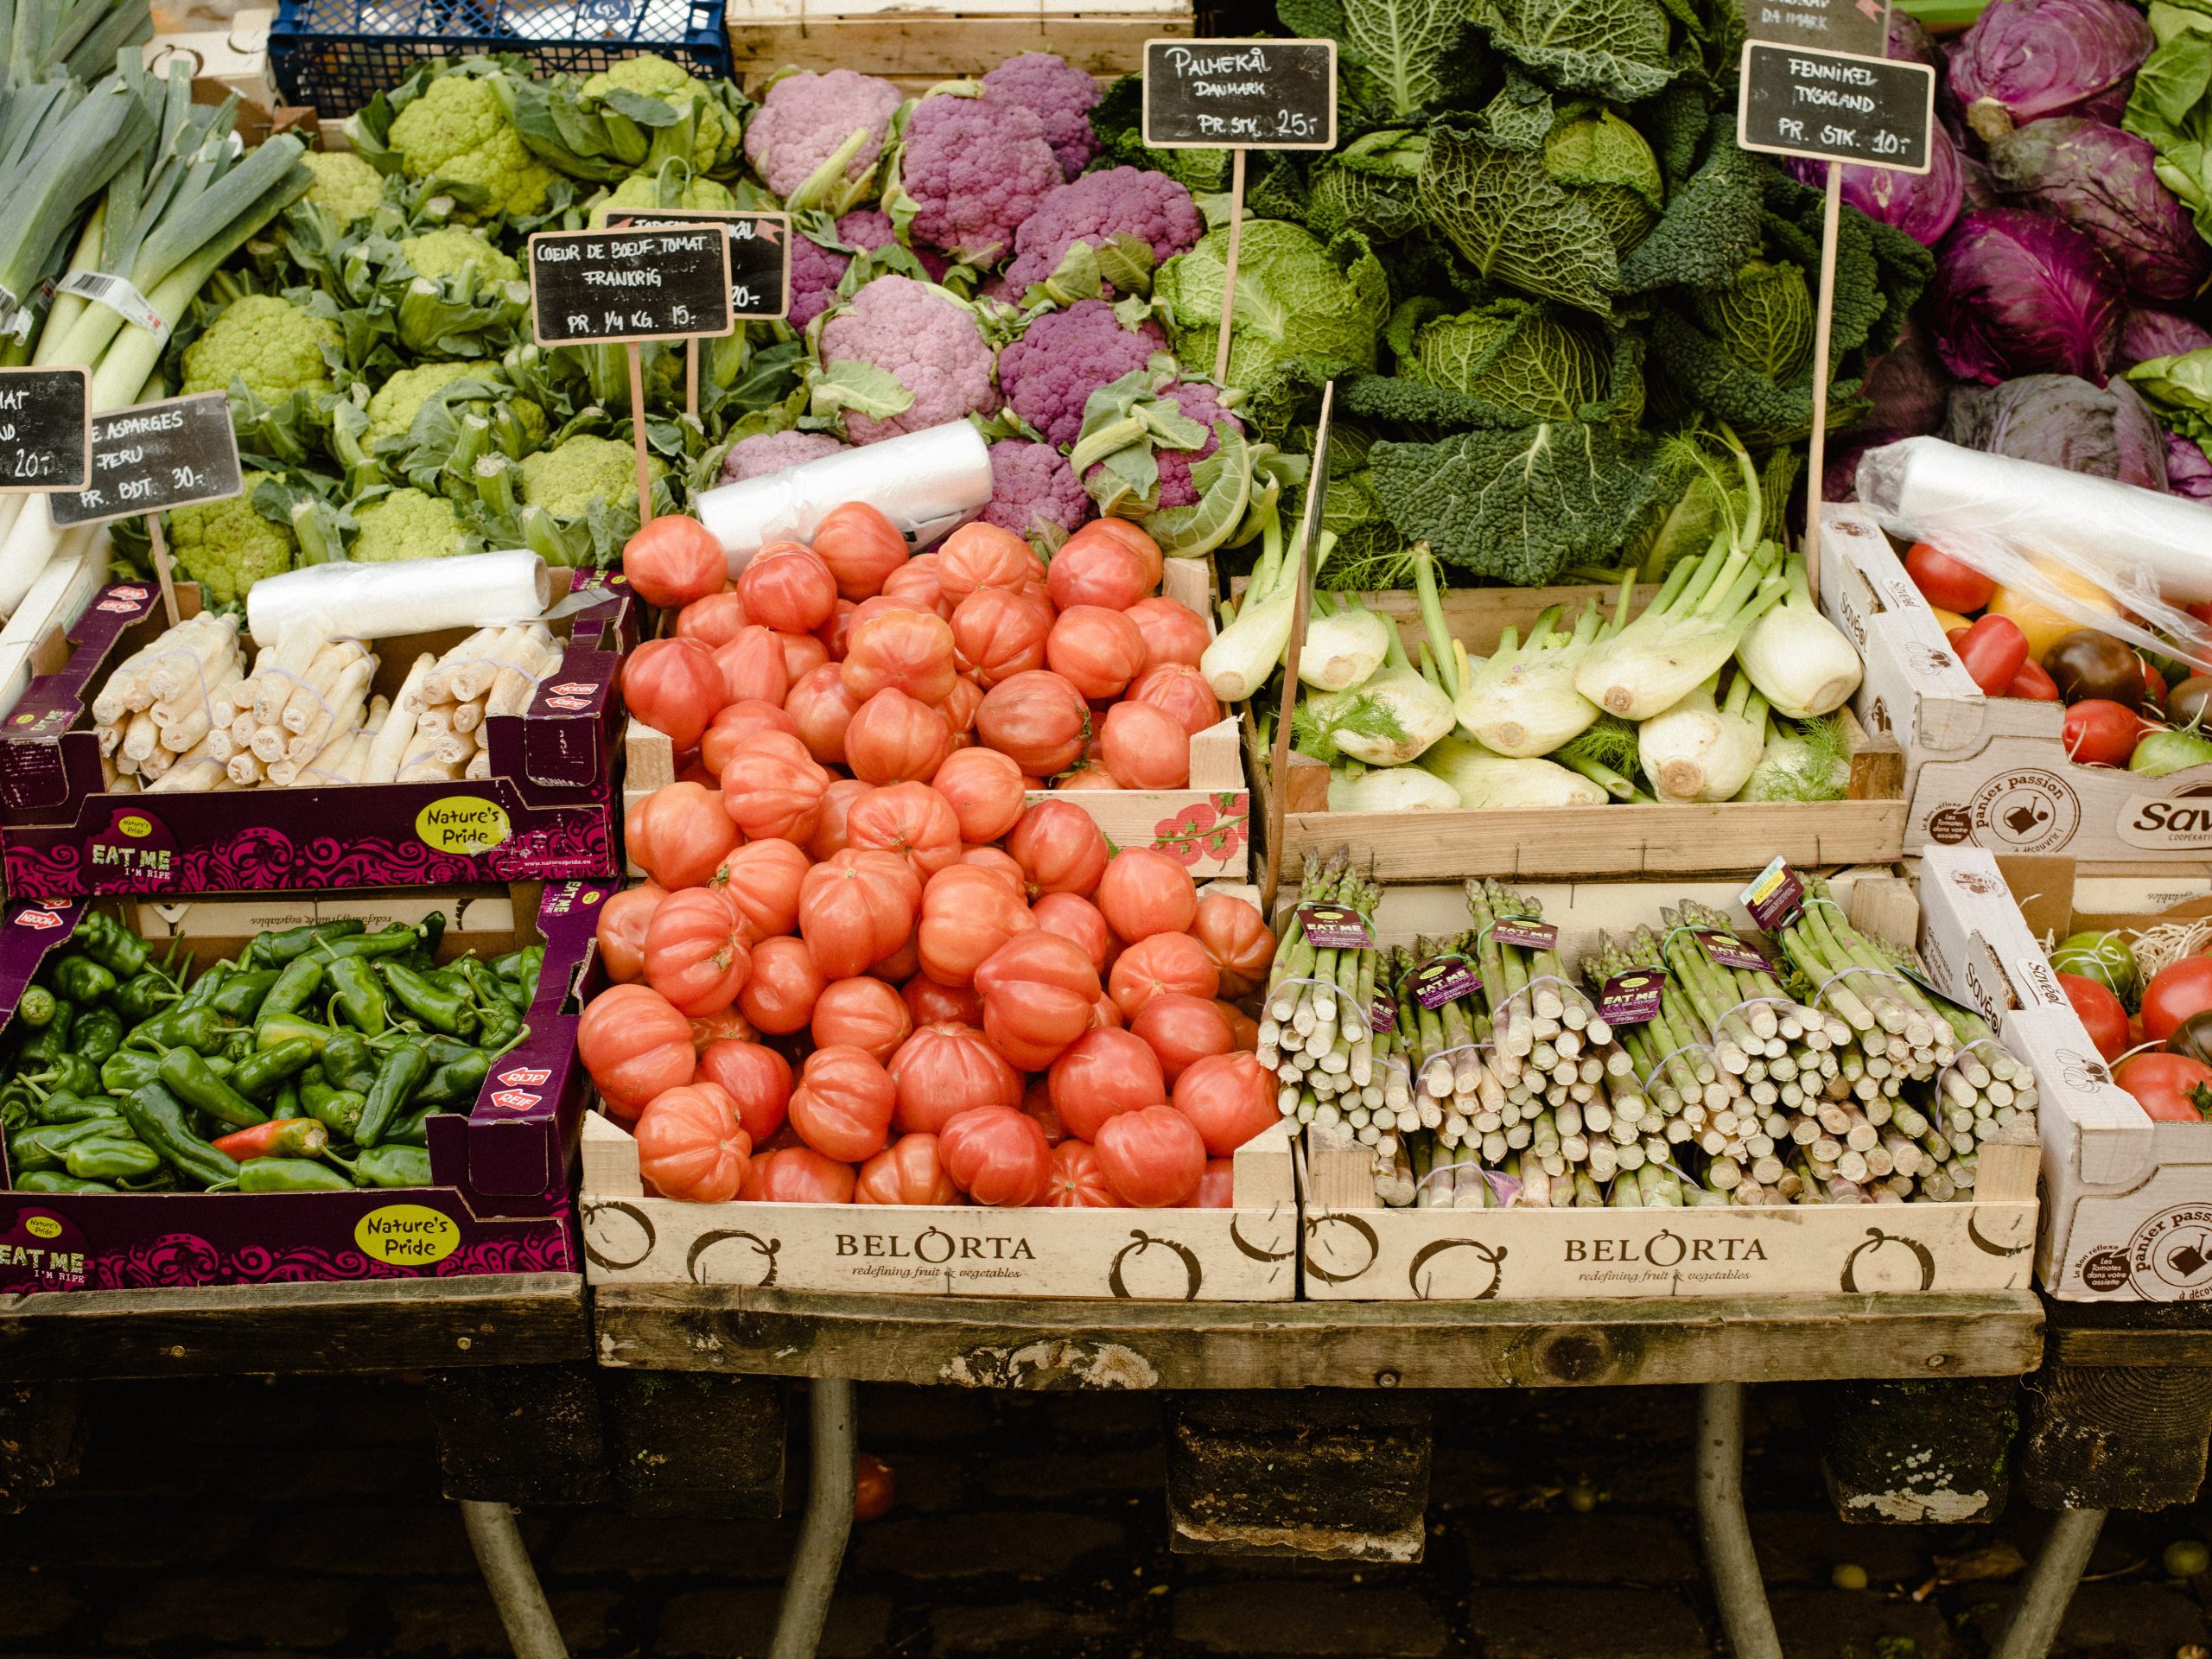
x=2161, y=1055
x=880, y=990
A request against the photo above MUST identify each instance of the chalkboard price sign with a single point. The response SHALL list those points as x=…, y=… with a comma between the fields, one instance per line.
x=760, y=255
x=157, y=456
x=613, y=287
x=1861, y=27
x=1832, y=106
x=45, y=430
x=1201, y=94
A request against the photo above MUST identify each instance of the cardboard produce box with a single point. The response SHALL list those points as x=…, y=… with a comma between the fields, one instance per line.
x=500, y=1201
x=547, y=811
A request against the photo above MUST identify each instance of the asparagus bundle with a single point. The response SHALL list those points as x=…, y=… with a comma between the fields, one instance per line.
x=1316, y=1032
x=161, y=703
x=439, y=732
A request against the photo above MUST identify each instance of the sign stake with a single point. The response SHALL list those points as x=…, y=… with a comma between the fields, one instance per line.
x=1229, y=275
x=692, y=380
x=638, y=431
x=1823, y=321
x=162, y=566
x=1309, y=524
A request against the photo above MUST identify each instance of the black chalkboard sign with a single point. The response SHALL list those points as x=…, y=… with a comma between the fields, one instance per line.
x=608, y=287
x=760, y=255
x=1834, y=107
x=1861, y=27
x=45, y=430
x=1202, y=94
x=155, y=456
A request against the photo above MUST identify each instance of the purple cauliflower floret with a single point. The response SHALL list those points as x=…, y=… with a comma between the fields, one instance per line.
x=1120, y=201
x=867, y=229
x=927, y=340
x=1198, y=402
x=1033, y=488
x=806, y=117
x=1062, y=97
x=977, y=169
x=1051, y=371
x=816, y=272
x=771, y=452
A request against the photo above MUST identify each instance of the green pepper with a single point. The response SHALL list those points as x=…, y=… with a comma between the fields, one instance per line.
x=109, y=1158
x=73, y=1108
x=240, y=995
x=492, y=991
x=402, y=1072
x=523, y=967
x=156, y=1116
x=41, y=1148
x=203, y=989
x=295, y=942
x=357, y=994
x=386, y=942
x=290, y=1175
x=349, y=1063
x=53, y=1180
x=142, y=996
x=97, y=1034
x=412, y=1130
x=258, y=1074
x=111, y=945
x=82, y=980
x=287, y=1104
x=67, y=1074
x=456, y=1081
x=222, y=1065
x=390, y=1166
x=439, y=1008
x=295, y=988
x=50, y=1039
x=201, y=1029
x=129, y=1069
x=36, y=1007
x=187, y=1076
x=338, y=1111
x=278, y=1029
x=444, y=1051
x=239, y=1045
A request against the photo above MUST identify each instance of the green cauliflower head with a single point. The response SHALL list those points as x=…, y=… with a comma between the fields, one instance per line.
x=458, y=131
x=713, y=142
x=450, y=250
x=346, y=187
x=406, y=525
x=400, y=399
x=272, y=345
x=642, y=192
x=226, y=546
x=567, y=480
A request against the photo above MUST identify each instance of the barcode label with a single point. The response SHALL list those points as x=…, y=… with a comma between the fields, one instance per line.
x=120, y=296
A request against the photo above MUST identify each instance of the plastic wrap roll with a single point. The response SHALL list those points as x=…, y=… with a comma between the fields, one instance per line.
x=375, y=602
x=927, y=483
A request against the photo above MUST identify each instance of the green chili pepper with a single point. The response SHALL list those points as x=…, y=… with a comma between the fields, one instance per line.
x=112, y=944
x=402, y=1072
x=443, y=1050
x=73, y=1108
x=286, y=1106
x=187, y=1076
x=295, y=942
x=432, y=1003
x=67, y=1074
x=41, y=1148
x=491, y=992
x=412, y=1130
x=82, y=980
x=98, y=1035
x=338, y=1111
x=348, y=1062
x=456, y=1081
x=386, y=942
x=222, y=1065
x=142, y=996
x=203, y=989
x=129, y=1069
x=290, y=1175
x=523, y=968
x=280, y=1028
x=240, y=995
x=258, y=1074
x=109, y=1158
x=53, y=1180
x=357, y=994
x=36, y=1007
x=390, y=1166
x=156, y=1116
x=202, y=1029
x=52, y=1038
x=293, y=989
x=239, y=1045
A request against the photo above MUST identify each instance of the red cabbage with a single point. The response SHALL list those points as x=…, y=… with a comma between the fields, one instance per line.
x=1923, y=206
x=2059, y=421
x=2148, y=334
x=2024, y=60
x=2188, y=472
x=2100, y=180
x=1909, y=391
x=1911, y=42
x=2020, y=293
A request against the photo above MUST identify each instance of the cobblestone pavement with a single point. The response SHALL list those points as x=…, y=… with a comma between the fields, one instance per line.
x=303, y=1516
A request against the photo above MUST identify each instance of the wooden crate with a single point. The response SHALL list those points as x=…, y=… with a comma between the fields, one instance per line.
x=1206, y=826
x=1356, y=1250
x=1614, y=839
x=920, y=41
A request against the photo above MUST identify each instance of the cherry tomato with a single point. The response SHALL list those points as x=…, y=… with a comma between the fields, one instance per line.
x=2099, y=1013
x=2100, y=733
x=2171, y=1088
x=2179, y=989
x=2154, y=685
x=2032, y=683
x=874, y=1486
x=1992, y=651
x=1952, y=583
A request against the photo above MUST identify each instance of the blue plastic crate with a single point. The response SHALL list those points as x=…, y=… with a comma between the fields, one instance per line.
x=337, y=55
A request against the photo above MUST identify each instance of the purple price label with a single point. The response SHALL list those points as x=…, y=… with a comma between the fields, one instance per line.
x=1334, y=927
x=1445, y=979
x=1632, y=996
x=1729, y=951
x=1775, y=896
x=1525, y=931
x=1382, y=1014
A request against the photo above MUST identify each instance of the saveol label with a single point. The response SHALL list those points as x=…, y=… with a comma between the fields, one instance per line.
x=462, y=823
x=407, y=1235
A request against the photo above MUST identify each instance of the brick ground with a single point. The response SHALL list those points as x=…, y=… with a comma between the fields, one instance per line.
x=222, y=1519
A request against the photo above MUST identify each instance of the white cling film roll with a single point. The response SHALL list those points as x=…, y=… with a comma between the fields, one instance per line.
x=377, y=602
x=927, y=483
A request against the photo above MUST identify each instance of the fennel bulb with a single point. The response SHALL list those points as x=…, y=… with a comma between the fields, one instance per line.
x=1390, y=719
x=1243, y=655
x=1356, y=788
x=1483, y=779
x=1799, y=659
x=1686, y=634
x=1700, y=750
x=1806, y=760
x=1522, y=700
x=1342, y=650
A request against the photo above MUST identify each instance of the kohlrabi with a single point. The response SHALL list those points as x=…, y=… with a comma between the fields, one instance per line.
x=1522, y=700
x=1243, y=655
x=1343, y=648
x=1700, y=750
x=1483, y=780
x=1686, y=634
x=1798, y=659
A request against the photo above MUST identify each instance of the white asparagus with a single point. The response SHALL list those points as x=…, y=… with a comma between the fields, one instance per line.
x=398, y=733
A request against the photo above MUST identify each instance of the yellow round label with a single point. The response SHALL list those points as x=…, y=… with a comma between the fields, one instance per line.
x=407, y=1235
x=135, y=826
x=42, y=1227
x=462, y=823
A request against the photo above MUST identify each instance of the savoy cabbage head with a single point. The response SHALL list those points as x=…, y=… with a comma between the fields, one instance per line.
x=1541, y=361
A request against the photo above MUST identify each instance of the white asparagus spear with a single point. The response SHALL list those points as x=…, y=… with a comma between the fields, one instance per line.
x=398, y=733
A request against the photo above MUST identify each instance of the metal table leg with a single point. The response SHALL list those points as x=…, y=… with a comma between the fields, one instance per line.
x=2057, y=1569
x=513, y=1581
x=1730, y=1561
x=828, y=1522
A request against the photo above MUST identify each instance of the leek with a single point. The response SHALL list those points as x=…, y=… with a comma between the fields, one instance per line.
x=1701, y=749
x=1686, y=634
x=1483, y=779
x=1796, y=657
x=1522, y=702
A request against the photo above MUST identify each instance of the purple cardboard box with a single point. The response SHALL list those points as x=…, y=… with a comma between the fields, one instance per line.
x=549, y=810
x=500, y=1202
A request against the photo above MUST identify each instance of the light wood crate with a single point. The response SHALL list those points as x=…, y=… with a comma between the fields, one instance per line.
x=918, y=43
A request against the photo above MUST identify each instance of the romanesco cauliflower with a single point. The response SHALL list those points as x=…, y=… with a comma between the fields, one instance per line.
x=226, y=546
x=272, y=345
x=406, y=525
x=346, y=187
x=458, y=131
x=447, y=252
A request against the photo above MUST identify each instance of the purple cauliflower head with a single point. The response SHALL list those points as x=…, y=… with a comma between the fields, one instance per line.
x=1034, y=489
x=1198, y=403
x=771, y=452
x=1062, y=97
x=806, y=117
x=975, y=169
x=927, y=340
x=867, y=229
x=1120, y=201
x=1051, y=371
x=816, y=272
